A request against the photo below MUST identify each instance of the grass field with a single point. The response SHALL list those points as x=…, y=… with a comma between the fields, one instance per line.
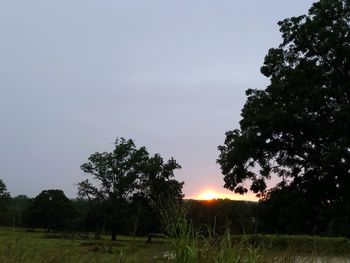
x=21, y=246
x=17, y=245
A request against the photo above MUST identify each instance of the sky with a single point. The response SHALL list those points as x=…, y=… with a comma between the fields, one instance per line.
x=171, y=75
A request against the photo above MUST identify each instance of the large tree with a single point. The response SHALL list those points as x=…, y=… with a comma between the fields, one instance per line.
x=298, y=128
x=127, y=173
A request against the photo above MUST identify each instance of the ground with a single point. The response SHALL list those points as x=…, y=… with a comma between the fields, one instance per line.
x=18, y=245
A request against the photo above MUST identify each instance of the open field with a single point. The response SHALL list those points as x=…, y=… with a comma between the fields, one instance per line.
x=17, y=245
x=20, y=246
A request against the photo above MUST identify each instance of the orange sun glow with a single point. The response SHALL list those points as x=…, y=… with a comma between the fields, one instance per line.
x=208, y=195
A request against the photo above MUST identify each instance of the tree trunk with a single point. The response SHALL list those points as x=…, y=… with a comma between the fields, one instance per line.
x=114, y=233
x=136, y=223
x=97, y=231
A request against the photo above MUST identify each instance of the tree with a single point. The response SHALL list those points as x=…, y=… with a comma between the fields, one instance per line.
x=125, y=174
x=3, y=190
x=298, y=128
x=50, y=210
x=284, y=211
x=157, y=180
x=17, y=206
x=158, y=189
x=221, y=215
x=4, y=198
x=117, y=173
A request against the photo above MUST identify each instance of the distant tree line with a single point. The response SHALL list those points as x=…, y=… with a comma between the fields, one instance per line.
x=52, y=211
x=281, y=213
x=127, y=193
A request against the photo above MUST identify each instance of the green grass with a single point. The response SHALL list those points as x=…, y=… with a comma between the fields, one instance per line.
x=20, y=246
x=185, y=246
x=301, y=245
x=189, y=246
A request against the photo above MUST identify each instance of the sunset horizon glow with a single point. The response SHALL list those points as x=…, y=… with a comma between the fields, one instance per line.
x=210, y=194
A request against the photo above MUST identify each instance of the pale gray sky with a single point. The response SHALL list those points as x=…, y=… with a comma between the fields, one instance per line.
x=171, y=75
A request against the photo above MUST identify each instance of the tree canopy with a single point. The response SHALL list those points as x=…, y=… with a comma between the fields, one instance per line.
x=298, y=128
x=4, y=197
x=3, y=190
x=51, y=209
x=125, y=175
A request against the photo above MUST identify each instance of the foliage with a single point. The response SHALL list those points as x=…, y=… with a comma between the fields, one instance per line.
x=240, y=217
x=3, y=190
x=4, y=197
x=157, y=182
x=51, y=210
x=295, y=244
x=183, y=237
x=16, y=208
x=298, y=127
x=226, y=253
x=128, y=180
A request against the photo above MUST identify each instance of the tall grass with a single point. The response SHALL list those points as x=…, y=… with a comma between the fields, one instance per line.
x=188, y=245
x=223, y=251
x=185, y=244
x=183, y=239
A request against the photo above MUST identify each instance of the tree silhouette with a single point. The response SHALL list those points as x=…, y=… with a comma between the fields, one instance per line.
x=50, y=210
x=125, y=175
x=4, y=198
x=298, y=128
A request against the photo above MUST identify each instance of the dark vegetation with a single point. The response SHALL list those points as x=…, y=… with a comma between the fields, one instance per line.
x=296, y=130
x=52, y=211
x=130, y=185
x=130, y=188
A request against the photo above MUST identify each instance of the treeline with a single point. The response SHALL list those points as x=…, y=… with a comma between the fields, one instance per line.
x=130, y=191
x=218, y=216
x=280, y=213
x=126, y=193
x=52, y=211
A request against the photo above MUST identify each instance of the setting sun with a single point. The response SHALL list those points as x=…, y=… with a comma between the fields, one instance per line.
x=208, y=195
x=212, y=194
